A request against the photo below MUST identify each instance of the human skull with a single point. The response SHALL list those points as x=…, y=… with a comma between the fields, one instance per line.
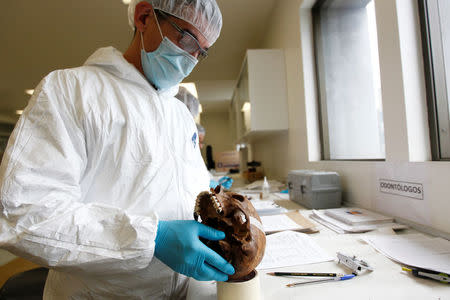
x=234, y=214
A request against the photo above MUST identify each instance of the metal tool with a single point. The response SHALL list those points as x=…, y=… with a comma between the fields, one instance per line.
x=351, y=262
x=343, y=277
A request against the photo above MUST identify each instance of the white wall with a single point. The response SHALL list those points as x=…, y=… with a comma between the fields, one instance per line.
x=217, y=132
x=360, y=178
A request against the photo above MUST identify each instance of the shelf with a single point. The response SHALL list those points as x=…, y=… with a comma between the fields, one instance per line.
x=253, y=136
x=259, y=104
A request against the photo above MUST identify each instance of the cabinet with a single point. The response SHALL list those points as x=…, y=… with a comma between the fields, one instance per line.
x=259, y=103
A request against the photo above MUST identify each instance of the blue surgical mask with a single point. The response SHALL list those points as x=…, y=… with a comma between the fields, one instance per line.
x=168, y=65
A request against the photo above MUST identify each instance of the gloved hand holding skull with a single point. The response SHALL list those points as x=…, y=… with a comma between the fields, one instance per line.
x=233, y=214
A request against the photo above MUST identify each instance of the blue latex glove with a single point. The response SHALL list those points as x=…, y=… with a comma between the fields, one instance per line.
x=226, y=182
x=213, y=184
x=178, y=246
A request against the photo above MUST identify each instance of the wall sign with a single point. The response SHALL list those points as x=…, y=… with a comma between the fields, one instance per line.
x=401, y=188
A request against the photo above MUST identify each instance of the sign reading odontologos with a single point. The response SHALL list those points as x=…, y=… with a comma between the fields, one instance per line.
x=405, y=189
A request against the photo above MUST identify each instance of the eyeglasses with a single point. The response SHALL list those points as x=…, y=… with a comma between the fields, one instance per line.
x=187, y=42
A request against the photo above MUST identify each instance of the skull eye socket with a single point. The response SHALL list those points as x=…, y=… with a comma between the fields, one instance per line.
x=238, y=197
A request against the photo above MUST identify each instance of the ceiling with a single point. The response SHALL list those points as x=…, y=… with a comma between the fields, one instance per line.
x=40, y=36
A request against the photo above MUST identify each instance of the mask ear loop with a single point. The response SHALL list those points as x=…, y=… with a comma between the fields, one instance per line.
x=142, y=41
x=157, y=23
x=159, y=28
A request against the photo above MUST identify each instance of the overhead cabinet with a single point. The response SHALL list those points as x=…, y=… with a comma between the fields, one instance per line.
x=259, y=104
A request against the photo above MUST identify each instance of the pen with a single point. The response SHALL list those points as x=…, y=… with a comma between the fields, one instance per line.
x=303, y=274
x=344, y=277
x=422, y=273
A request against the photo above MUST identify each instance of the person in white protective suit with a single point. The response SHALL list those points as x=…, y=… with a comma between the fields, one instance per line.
x=101, y=173
x=201, y=135
x=189, y=100
x=193, y=106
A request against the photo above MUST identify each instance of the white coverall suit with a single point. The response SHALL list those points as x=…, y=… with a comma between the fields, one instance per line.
x=97, y=158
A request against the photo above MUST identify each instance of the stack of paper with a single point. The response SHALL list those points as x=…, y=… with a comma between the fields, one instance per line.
x=290, y=248
x=416, y=250
x=291, y=221
x=265, y=208
x=362, y=221
x=357, y=216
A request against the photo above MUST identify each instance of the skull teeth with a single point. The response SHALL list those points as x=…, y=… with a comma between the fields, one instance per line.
x=216, y=203
x=243, y=219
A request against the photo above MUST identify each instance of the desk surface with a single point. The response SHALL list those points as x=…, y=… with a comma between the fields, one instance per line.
x=387, y=281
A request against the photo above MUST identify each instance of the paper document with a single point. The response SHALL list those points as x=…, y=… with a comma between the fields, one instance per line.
x=290, y=221
x=264, y=208
x=289, y=248
x=282, y=196
x=341, y=227
x=416, y=250
x=357, y=216
x=277, y=223
x=337, y=225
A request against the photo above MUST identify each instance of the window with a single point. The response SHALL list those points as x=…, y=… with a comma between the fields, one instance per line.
x=348, y=77
x=435, y=24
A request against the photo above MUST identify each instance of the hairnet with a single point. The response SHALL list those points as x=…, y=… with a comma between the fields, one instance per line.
x=191, y=102
x=200, y=129
x=204, y=15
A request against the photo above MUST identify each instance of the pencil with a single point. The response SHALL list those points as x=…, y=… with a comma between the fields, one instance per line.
x=303, y=274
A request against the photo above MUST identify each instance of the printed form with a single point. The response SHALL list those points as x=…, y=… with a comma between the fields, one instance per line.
x=289, y=248
x=279, y=223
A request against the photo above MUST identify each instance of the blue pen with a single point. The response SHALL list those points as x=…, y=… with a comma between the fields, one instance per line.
x=344, y=277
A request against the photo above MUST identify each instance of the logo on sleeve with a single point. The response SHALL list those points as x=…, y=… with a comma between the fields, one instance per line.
x=194, y=139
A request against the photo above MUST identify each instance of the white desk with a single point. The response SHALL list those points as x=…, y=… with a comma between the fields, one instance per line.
x=386, y=282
